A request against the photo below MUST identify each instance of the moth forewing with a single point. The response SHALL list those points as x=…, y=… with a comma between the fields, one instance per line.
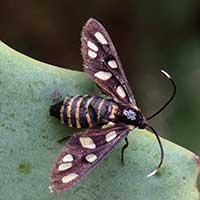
x=100, y=59
x=82, y=153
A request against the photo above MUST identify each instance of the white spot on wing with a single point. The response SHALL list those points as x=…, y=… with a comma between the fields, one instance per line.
x=91, y=157
x=87, y=142
x=64, y=166
x=92, y=54
x=68, y=158
x=103, y=75
x=112, y=64
x=100, y=38
x=120, y=91
x=92, y=46
x=69, y=177
x=111, y=136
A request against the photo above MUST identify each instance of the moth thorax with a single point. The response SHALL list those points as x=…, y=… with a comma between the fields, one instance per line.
x=133, y=117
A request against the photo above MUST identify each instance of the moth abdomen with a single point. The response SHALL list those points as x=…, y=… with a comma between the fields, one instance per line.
x=85, y=111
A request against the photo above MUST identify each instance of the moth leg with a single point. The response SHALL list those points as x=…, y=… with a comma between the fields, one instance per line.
x=64, y=139
x=123, y=149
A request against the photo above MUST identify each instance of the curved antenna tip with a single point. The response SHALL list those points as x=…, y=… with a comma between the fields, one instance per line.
x=152, y=173
x=170, y=99
x=165, y=73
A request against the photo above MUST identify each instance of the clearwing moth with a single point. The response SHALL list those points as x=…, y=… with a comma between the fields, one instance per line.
x=109, y=120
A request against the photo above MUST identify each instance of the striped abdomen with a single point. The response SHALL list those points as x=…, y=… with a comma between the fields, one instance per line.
x=85, y=111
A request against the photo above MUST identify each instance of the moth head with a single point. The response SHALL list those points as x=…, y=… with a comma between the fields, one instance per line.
x=134, y=117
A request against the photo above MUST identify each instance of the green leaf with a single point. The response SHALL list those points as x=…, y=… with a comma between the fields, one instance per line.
x=28, y=143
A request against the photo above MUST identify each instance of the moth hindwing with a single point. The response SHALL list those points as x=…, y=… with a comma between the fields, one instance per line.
x=82, y=153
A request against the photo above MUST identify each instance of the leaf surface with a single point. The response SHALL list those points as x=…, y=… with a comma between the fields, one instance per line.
x=28, y=143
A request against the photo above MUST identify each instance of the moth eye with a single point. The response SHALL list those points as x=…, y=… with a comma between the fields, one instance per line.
x=99, y=36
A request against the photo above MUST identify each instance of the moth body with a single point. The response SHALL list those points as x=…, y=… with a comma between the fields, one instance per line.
x=108, y=120
x=93, y=111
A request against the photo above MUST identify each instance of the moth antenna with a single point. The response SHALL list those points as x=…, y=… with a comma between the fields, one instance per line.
x=170, y=99
x=161, y=152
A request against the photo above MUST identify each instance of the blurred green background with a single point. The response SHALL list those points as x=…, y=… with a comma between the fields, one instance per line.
x=148, y=35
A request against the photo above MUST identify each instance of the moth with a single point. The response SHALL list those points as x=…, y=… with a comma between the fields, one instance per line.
x=109, y=120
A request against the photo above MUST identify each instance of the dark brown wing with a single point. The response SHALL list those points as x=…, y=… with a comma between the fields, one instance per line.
x=102, y=63
x=82, y=153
